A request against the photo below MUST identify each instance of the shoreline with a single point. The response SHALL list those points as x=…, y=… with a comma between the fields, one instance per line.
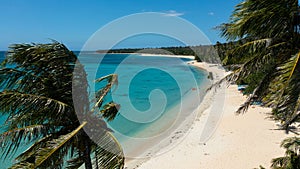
x=238, y=141
x=176, y=137
x=177, y=132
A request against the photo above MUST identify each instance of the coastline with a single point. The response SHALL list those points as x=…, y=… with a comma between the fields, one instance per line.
x=178, y=128
x=175, y=138
x=155, y=55
x=239, y=141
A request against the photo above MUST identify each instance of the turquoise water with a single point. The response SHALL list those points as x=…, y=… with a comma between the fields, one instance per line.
x=167, y=79
x=148, y=89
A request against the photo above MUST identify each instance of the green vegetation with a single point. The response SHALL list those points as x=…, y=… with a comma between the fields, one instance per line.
x=163, y=50
x=202, y=53
x=36, y=97
x=291, y=160
x=271, y=57
x=266, y=55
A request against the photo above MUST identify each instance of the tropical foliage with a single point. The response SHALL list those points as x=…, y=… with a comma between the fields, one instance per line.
x=37, y=82
x=270, y=54
x=291, y=160
x=267, y=53
x=205, y=53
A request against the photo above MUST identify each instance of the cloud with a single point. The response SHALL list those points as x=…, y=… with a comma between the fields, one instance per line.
x=211, y=13
x=173, y=13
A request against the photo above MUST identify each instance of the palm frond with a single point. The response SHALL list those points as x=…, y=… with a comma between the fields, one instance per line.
x=252, y=46
x=110, y=111
x=294, y=117
x=260, y=88
x=28, y=109
x=280, y=162
x=247, y=50
x=33, y=148
x=227, y=79
x=12, y=78
x=22, y=165
x=112, y=79
x=75, y=163
x=292, y=144
x=51, y=53
x=283, y=79
x=108, y=153
x=10, y=140
x=253, y=18
x=285, y=93
x=291, y=159
x=37, y=81
x=53, y=146
x=42, y=157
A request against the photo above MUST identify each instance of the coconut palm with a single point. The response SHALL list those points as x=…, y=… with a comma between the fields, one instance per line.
x=270, y=52
x=270, y=56
x=37, y=81
x=291, y=160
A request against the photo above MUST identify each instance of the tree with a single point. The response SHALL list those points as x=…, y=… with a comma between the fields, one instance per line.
x=37, y=82
x=270, y=53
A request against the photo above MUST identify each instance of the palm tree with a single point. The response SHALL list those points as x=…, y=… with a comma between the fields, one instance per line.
x=270, y=52
x=291, y=160
x=37, y=82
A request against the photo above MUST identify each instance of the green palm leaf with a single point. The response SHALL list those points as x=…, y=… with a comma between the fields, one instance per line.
x=110, y=111
x=10, y=140
x=112, y=79
x=284, y=93
x=108, y=153
x=43, y=154
x=38, y=83
x=75, y=163
x=291, y=144
x=291, y=160
x=20, y=106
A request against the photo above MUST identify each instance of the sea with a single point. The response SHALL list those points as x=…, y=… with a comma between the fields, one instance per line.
x=151, y=91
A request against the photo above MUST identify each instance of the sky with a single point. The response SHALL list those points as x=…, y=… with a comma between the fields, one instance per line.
x=73, y=22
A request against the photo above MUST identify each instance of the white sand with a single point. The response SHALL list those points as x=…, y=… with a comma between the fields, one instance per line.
x=239, y=141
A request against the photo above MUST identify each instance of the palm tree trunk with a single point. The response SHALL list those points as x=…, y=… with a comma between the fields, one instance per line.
x=87, y=155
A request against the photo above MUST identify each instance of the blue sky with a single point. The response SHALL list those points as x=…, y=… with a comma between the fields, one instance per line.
x=73, y=22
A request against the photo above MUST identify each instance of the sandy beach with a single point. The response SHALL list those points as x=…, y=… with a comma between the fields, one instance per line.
x=218, y=138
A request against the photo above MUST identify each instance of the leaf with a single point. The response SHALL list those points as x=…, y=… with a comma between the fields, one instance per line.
x=29, y=109
x=10, y=140
x=112, y=80
x=108, y=152
x=51, y=147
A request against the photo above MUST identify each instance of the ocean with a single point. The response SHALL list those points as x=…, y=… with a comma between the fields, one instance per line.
x=150, y=91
